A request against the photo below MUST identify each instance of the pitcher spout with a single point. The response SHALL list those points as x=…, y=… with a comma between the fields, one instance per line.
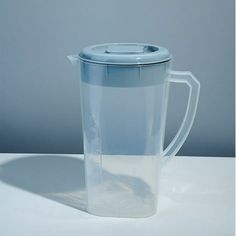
x=73, y=59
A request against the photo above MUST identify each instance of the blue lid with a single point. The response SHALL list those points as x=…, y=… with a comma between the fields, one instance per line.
x=125, y=54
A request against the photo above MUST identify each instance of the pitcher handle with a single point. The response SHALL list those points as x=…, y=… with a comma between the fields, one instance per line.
x=194, y=89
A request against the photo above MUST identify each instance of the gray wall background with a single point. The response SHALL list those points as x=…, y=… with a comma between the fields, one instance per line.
x=39, y=92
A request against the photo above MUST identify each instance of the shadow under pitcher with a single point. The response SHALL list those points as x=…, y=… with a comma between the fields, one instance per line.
x=124, y=95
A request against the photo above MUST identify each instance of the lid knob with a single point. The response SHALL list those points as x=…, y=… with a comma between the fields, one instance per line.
x=124, y=49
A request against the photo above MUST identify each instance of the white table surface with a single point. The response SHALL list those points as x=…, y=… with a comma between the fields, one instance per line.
x=39, y=193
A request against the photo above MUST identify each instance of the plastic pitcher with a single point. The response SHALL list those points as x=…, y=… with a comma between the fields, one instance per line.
x=124, y=96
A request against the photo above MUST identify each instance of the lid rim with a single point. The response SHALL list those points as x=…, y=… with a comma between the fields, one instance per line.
x=123, y=64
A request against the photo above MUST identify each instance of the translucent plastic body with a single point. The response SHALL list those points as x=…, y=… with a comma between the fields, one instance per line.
x=124, y=113
x=123, y=138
